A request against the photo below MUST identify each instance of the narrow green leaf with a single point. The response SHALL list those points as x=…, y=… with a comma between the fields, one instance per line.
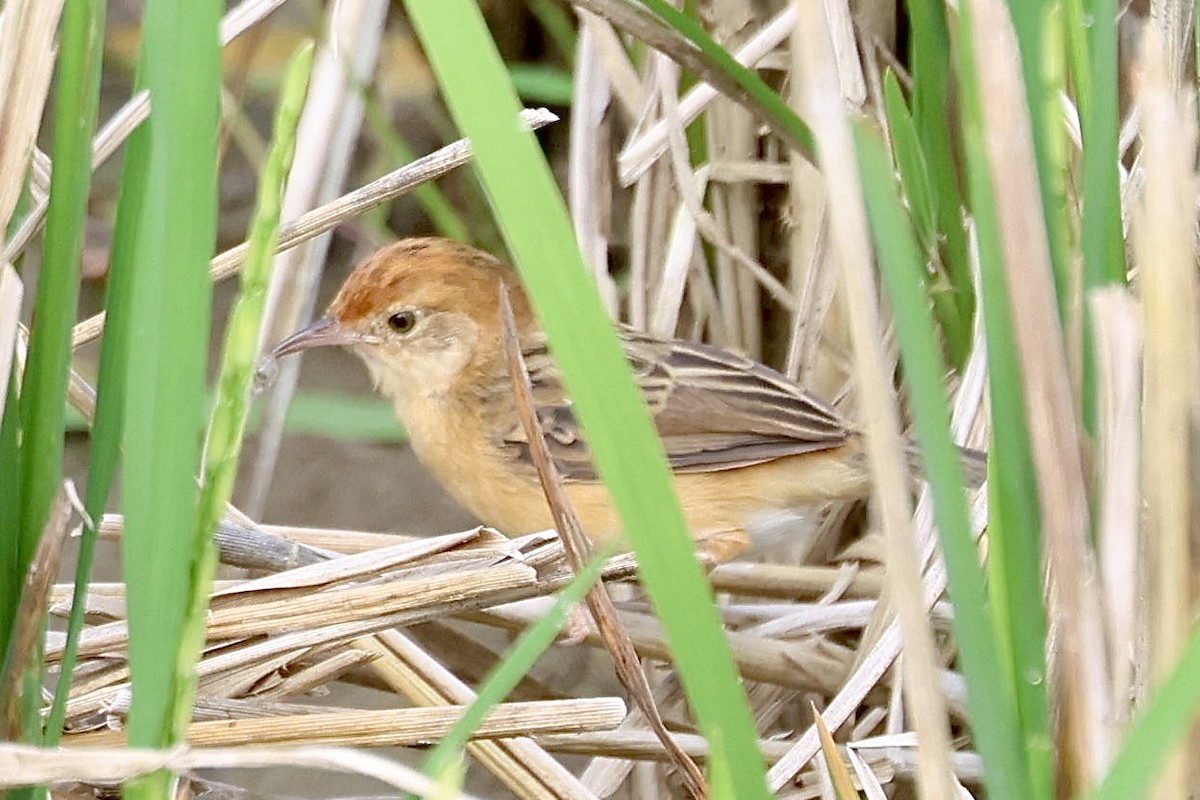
x=1014, y=531
x=1101, y=233
x=922, y=206
x=931, y=73
x=81, y=50
x=227, y=427
x=10, y=513
x=43, y=410
x=618, y=429
x=170, y=300
x=770, y=104
x=538, y=83
x=1165, y=722
x=1039, y=37
x=995, y=727
x=910, y=162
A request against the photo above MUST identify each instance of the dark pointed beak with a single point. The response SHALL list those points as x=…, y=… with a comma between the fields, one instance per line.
x=324, y=332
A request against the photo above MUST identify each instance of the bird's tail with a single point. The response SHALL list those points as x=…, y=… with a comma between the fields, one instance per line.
x=974, y=466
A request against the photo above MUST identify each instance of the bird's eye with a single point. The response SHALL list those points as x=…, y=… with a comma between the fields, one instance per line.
x=403, y=321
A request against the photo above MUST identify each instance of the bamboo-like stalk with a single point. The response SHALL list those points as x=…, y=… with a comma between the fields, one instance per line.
x=1054, y=431
x=884, y=448
x=1165, y=245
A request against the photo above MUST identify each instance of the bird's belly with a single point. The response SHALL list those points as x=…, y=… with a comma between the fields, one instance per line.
x=511, y=500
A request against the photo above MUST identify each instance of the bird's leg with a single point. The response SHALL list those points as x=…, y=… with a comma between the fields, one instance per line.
x=577, y=628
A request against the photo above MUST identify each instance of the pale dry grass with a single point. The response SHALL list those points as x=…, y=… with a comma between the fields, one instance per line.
x=1165, y=245
x=274, y=639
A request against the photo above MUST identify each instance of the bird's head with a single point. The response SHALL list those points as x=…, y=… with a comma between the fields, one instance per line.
x=423, y=314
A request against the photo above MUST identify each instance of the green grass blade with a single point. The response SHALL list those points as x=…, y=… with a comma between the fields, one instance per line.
x=618, y=429
x=227, y=427
x=765, y=100
x=43, y=408
x=910, y=163
x=541, y=84
x=559, y=26
x=1038, y=35
x=932, y=74
x=169, y=311
x=923, y=210
x=1014, y=531
x=1101, y=239
x=994, y=723
x=1166, y=720
x=81, y=51
x=10, y=512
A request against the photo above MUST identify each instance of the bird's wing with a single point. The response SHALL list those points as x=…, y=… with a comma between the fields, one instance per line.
x=714, y=410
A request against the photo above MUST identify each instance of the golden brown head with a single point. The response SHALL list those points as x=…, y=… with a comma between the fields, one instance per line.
x=423, y=314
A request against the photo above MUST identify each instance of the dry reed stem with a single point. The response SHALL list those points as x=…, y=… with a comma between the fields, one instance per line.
x=519, y=763
x=1053, y=428
x=219, y=708
x=232, y=669
x=578, y=553
x=328, y=130
x=589, y=191
x=311, y=677
x=691, y=188
x=350, y=567
x=611, y=55
x=1165, y=246
x=872, y=667
x=800, y=665
x=135, y=110
x=641, y=745
x=646, y=27
x=27, y=29
x=796, y=582
x=732, y=137
x=327, y=136
x=28, y=616
x=407, y=727
x=351, y=204
x=651, y=143
x=1118, y=332
x=375, y=605
x=340, y=540
x=818, y=320
x=24, y=765
x=877, y=402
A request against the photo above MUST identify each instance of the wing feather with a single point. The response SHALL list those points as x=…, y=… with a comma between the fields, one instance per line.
x=713, y=409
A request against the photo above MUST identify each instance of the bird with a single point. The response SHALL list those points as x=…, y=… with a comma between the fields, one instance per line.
x=746, y=445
